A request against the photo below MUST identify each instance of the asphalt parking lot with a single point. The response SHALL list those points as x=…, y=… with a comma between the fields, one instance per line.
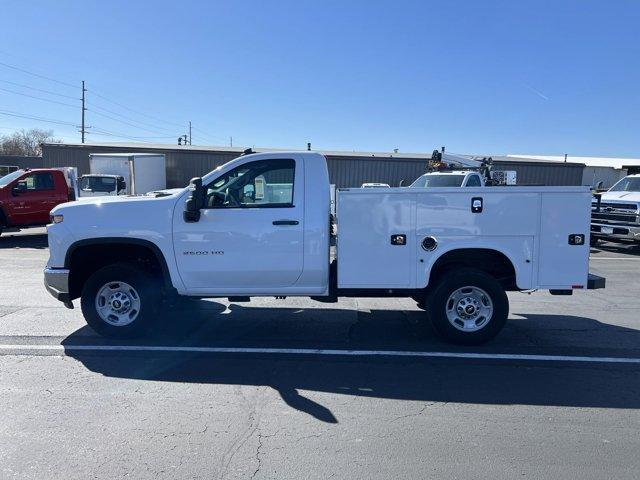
x=73, y=410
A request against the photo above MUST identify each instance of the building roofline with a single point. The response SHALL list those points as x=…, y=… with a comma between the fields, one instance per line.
x=234, y=150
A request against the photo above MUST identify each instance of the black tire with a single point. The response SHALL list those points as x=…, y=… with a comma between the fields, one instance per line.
x=593, y=241
x=438, y=299
x=146, y=287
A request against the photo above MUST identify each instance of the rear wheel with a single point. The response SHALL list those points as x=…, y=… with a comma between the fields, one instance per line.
x=468, y=307
x=593, y=241
x=121, y=300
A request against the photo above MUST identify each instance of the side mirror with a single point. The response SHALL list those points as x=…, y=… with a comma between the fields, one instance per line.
x=401, y=184
x=20, y=187
x=194, y=202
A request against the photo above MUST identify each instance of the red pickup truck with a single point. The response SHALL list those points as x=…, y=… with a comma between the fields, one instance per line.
x=27, y=196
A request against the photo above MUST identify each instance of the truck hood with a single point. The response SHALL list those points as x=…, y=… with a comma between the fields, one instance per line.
x=102, y=199
x=144, y=217
x=622, y=197
x=122, y=204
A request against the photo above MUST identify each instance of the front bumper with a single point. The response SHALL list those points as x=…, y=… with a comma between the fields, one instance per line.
x=623, y=232
x=56, y=281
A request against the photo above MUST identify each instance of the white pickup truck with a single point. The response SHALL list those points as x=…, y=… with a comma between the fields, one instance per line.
x=616, y=213
x=453, y=178
x=260, y=226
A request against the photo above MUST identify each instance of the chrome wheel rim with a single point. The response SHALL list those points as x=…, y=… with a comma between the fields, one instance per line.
x=469, y=309
x=118, y=303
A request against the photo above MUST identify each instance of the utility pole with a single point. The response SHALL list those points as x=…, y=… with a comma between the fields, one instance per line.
x=231, y=141
x=83, y=110
x=189, y=132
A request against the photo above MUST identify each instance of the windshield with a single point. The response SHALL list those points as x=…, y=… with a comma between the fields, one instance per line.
x=444, y=180
x=7, y=179
x=97, y=184
x=627, y=184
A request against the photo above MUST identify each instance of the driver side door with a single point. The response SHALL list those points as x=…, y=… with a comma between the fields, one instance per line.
x=249, y=238
x=33, y=201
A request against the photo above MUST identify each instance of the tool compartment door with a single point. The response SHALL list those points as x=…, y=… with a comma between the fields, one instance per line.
x=367, y=255
x=561, y=264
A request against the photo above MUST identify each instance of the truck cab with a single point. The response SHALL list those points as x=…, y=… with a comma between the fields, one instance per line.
x=453, y=178
x=260, y=226
x=101, y=185
x=27, y=196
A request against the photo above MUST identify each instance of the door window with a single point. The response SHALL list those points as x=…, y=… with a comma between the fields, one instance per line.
x=474, y=181
x=263, y=183
x=38, y=181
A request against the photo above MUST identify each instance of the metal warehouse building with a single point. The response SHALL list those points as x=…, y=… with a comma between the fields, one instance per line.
x=346, y=169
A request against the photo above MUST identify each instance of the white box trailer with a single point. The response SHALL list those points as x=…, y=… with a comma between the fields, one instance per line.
x=140, y=173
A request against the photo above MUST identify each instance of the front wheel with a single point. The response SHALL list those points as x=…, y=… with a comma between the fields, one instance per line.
x=120, y=301
x=468, y=307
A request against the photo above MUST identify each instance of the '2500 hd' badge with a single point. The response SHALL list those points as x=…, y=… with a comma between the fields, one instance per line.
x=203, y=252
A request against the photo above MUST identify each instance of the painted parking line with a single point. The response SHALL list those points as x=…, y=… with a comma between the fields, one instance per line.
x=65, y=349
x=628, y=259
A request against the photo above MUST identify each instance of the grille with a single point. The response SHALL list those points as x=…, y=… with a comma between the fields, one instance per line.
x=616, y=217
x=632, y=207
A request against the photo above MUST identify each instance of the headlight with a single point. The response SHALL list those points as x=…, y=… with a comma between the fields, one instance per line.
x=56, y=218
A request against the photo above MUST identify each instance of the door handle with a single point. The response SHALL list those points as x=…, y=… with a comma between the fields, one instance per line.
x=285, y=222
x=476, y=205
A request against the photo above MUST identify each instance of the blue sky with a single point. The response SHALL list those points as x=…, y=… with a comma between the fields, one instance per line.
x=549, y=77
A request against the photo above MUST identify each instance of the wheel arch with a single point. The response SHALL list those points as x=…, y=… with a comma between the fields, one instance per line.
x=110, y=250
x=496, y=263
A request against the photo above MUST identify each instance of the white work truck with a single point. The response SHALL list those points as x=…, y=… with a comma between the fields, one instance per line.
x=260, y=226
x=452, y=170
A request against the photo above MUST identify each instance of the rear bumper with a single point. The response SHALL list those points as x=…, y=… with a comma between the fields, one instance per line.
x=625, y=232
x=56, y=281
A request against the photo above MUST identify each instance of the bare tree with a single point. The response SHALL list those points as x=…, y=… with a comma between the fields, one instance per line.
x=26, y=142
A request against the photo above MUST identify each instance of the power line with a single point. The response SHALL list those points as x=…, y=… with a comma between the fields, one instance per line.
x=135, y=111
x=165, y=133
x=121, y=135
x=33, y=117
x=128, y=118
x=67, y=84
x=83, y=109
x=37, y=75
x=38, y=98
x=38, y=89
x=116, y=135
x=124, y=122
x=209, y=137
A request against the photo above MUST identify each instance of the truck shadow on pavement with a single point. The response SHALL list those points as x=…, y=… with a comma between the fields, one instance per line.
x=38, y=241
x=447, y=380
x=627, y=249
